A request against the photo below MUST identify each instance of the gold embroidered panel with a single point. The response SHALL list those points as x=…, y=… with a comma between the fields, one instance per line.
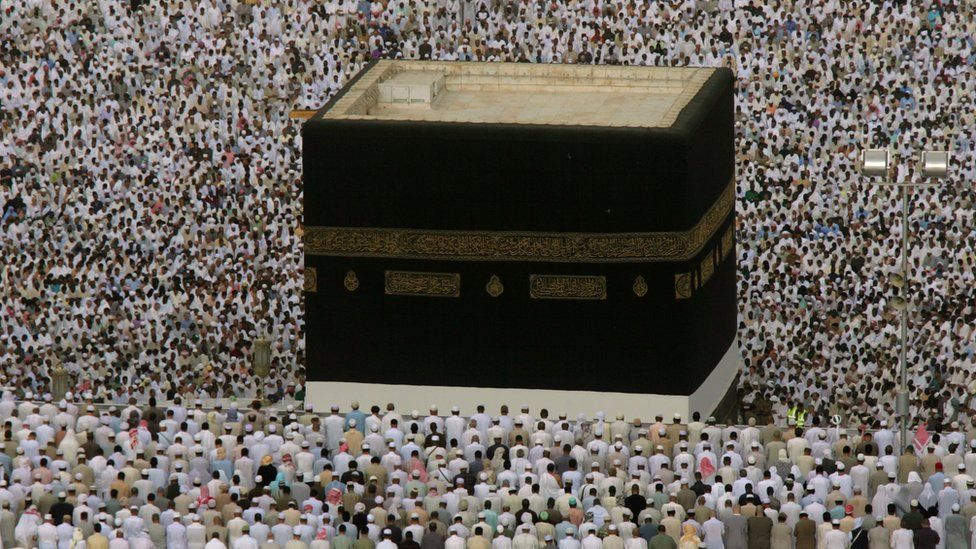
x=682, y=285
x=567, y=287
x=311, y=280
x=727, y=238
x=520, y=246
x=640, y=286
x=351, y=281
x=422, y=284
x=686, y=283
x=494, y=287
x=707, y=268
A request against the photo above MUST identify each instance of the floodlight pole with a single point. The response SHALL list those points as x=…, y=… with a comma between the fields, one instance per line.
x=901, y=402
x=935, y=164
x=901, y=398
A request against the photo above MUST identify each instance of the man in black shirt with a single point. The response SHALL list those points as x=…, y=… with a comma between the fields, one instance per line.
x=520, y=516
x=61, y=509
x=635, y=502
x=408, y=542
x=353, y=474
x=396, y=532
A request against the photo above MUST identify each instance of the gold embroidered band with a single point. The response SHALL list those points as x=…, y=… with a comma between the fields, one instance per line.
x=521, y=246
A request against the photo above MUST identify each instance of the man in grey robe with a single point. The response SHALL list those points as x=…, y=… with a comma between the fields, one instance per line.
x=736, y=531
x=956, y=530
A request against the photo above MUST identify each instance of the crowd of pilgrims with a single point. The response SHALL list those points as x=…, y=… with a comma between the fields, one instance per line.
x=151, y=191
x=76, y=475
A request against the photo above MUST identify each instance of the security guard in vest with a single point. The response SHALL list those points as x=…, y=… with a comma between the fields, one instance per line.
x=797, y=414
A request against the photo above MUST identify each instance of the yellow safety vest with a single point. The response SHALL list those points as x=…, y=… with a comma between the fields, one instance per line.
x=798, y=415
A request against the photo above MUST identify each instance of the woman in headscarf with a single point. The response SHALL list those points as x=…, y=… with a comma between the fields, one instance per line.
x=914, y=485
x=927, y=499
x=583, y=430
x=490, y=475
x=883, y=498
x=68, y=445
x=899, y=496
x=77, y=539
x=689, y=539
x=497, y=461
x=783, y=464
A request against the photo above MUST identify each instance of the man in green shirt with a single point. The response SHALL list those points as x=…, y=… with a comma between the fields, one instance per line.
x=363, y=541
x=662, y=540
x=341, y=539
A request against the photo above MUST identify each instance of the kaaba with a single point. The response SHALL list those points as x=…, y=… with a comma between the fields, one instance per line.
x=561, y=235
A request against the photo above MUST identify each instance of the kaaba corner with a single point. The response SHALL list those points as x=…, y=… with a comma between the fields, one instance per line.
x=560, y=233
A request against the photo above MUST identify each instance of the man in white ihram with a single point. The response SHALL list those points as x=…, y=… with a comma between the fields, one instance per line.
x=902, y=538
x=387, y=542
x=246, y=541
x=454, y=541
x=569, y=542
x=215, y=543
x=176, y=534
x=47, y=534
x=836, y=538
x=591, y=541
x=196, y=533
x=524, y=539
x=714, y=530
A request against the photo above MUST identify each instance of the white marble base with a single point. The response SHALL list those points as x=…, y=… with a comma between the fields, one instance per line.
x=323, y=394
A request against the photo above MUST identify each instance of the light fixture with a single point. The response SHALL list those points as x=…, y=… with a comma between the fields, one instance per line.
x=935, y=164
x=898, y=304
x=875, y=162
x=897, y=280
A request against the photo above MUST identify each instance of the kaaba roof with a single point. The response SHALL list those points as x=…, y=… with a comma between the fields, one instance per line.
x=516, y=93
